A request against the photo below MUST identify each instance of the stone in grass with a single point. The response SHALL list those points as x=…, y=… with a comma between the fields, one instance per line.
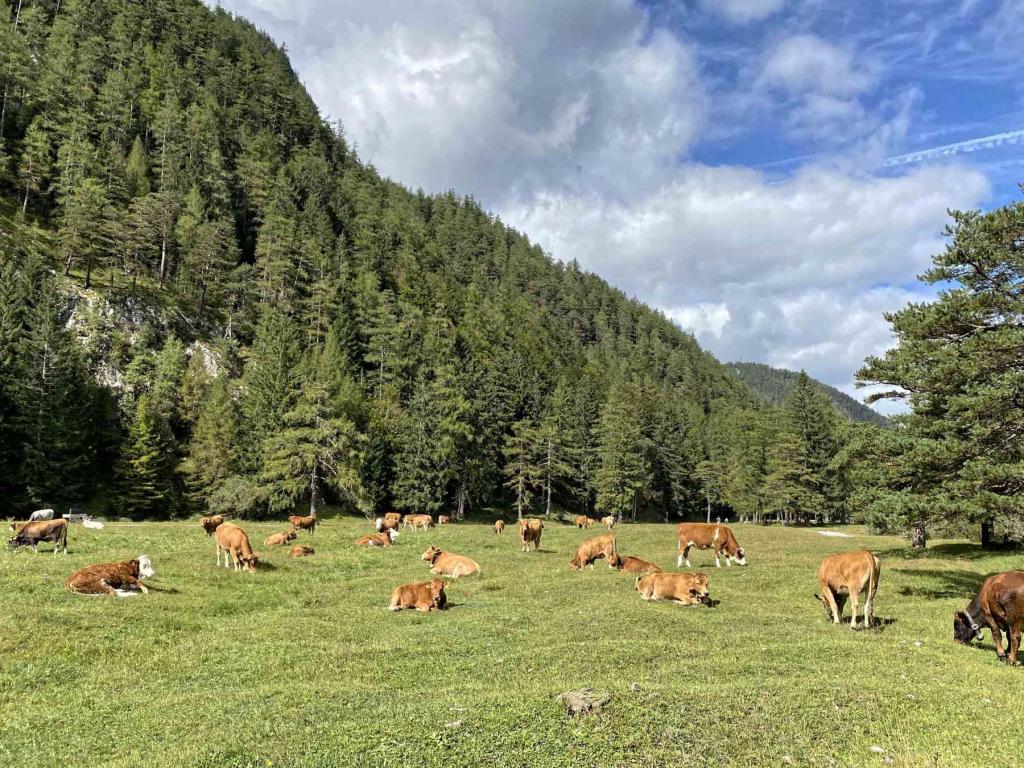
x=584, y=701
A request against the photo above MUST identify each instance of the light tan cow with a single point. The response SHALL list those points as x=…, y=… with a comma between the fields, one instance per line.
x=443, y=519
x=592, y=549
x=301, y=550
x=233, y=541
x=530, y=531
x=680, y=588
x=447, y=564
x=422, y=595
x=582, y=521
x=305, y=523
x=280, y=539
x=609, y=520
x=418, y=522
x=632, y=565
x=392, y=520
x=383, y=539
x=709, y=536
x=499, y=526
x=847, y=574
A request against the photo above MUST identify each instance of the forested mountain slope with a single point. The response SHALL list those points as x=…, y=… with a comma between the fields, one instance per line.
x=773, y=386
x=208, y=301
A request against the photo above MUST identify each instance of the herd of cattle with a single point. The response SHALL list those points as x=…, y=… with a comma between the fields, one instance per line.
x=999, y=604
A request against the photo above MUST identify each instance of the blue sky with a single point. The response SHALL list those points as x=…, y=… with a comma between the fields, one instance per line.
x=768, y=173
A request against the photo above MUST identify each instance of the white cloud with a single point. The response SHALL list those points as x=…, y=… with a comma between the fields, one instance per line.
x=743, y=11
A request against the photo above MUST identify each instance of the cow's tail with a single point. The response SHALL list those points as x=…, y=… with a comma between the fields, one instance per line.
x=876, y=566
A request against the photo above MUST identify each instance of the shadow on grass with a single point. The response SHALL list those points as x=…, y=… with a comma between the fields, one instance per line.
x=941, y=584
x=951, y=551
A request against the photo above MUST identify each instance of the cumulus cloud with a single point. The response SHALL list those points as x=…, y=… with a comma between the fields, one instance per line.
x=743, y=11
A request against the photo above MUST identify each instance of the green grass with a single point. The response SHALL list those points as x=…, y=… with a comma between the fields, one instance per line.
x=300, y=665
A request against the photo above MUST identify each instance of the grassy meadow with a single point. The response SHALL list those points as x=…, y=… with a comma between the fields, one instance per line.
x=299, y=664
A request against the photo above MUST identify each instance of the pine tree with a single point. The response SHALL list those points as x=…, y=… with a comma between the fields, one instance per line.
x=521, y=464
x=147, y=465
x=213, y=452
x=624, y=471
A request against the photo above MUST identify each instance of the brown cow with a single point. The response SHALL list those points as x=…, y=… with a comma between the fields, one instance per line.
x=681, y=588
x=422, y=595
x=280, y=539
x=709, y=536
x=499, y=526
x=391, y=520
x=301, y=550
x=383, y=539
x=593, y=549
x=234, y=541
x=307, y=523
x=418, y=522
x=530, y=531
x=443, y=519
x=632, y=565
x=447, y=564
x=30, y=534
x=119, y=579
x=609, y=520
x=848, y=574
x=210, y=523
x=999, y=605
x=582, y=521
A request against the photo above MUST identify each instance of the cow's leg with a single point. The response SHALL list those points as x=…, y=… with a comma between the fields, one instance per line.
x=833, y=605
x=869, y=609
x=102, y=584
x=1015, y=630
x=685, y=556
x=853, y=608
x=997, y=634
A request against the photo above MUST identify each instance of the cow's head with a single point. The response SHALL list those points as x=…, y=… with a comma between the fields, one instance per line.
x=616, y=561
x=15, y=542
x=739, y=556
x=431, y=554
x=699, y=593
x=965, y=629
x=437, y=596
x=249, y=562
x=145, y=567
x=825, y=605
x=291, y=535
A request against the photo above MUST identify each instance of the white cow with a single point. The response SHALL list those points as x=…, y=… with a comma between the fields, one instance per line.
x=41, y=514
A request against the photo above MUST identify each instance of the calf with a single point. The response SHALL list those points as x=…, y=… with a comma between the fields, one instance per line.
x=418, y=522
x=680, y=588
x=499, y=526
x=31, y=534
x=281, y=539
x=999, y=605
x=234, y=541
x=383, y=539
x=211, y=523
x=632, y=565
x=447, y=564
x=593, y=549
x=307, y=523
x=530, y=532
x=847, y=575
x=609, y=520
x=443, y=519
x=119, y=579
x=709, y=536
x=301, y=550
x=423, y=596
x=582, y=521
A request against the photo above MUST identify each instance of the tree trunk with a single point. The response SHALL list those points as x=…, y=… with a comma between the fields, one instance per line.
x=986, y=534
x=708, y=497
x=314, y=490
x=919, y=538
x=460, y=510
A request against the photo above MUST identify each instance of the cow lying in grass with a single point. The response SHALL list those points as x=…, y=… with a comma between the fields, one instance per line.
x=307, y=523
x=423, y=596
x=301, y=550
x=383, y=539
x=847, y=574
x=679, y=588
x=593, y=549
x=122, y=579
x=447, y=564
x=530, y=532
x=999, y=605
x=709, y=536
x=234, y=541
x=632, y=565
x=211, y=523
x=281, y=539
x=32, y=534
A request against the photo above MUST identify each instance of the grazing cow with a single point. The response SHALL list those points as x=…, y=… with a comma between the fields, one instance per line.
x=211, y=523
x=418, y=522
x=307, y=523
x=40, y=514
x=422, y=595
x=121, y=579
x=499, y=526
x=632, y=565
x=30, y=534
x=582, y=521
x=443, y=520
x=681, y=588
x=301, y=550
x=609, y=520
x=999, y=605
x=593, y=549
x=447, y=564
x=281, y=539
x=383, y=539
x=709, y=536
x=234, y=541
x=847, y=574
x=530, y=530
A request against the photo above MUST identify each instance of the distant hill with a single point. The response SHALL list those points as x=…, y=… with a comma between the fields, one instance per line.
x=772, y=385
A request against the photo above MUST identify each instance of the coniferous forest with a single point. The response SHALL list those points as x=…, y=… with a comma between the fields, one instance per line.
x=209, y=302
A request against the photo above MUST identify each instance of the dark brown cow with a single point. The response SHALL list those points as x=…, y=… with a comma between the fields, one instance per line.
x=301, y=550
x=423, y=596
x=847, y=574
x=530, y=531
x=999, y=605
x=119, y=579
x=593, y=549
x=709, y=536
x=31, y=534
x=632, y=565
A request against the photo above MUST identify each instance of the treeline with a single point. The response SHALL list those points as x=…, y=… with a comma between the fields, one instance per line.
x=209, y=302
